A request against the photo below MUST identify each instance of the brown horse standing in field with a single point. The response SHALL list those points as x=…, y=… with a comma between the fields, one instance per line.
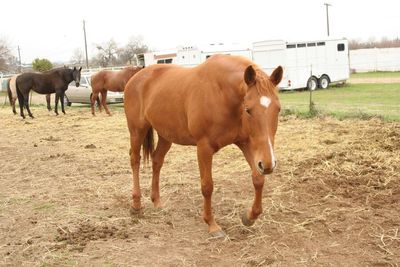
x=112, y=81
x=226, y=100
x=12, y=94
x=52, y=81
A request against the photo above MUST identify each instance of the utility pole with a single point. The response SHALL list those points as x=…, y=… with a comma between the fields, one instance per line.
x=327, y=16
x=19, y=60
x=84, y=35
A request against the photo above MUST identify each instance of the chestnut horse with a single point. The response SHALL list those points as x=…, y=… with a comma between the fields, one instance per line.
x=12, y=94
x=225, y=100
x=109, y=80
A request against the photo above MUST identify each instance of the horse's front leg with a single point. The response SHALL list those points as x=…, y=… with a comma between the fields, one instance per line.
x=204, y=157
x=250, y=215
x=48, y=102
x=56, y=103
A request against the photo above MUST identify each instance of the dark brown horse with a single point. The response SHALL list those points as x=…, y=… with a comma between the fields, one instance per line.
x=12, y=94
x=53, y=81
x=226, y=100
x=108, y=80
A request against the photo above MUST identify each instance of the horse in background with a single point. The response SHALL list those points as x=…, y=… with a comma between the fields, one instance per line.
x=12, y=94
x=225, y=100
x=108, y=80
x=52, y=81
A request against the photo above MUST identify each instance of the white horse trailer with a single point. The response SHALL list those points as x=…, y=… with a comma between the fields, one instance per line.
x=308, y=64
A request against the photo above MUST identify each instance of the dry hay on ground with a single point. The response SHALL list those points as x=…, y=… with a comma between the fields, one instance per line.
x=65, y=188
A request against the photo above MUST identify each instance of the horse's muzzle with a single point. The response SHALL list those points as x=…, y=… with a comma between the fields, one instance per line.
x=262, y=170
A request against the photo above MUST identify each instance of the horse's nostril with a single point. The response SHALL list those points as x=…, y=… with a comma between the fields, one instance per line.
x=260, y=166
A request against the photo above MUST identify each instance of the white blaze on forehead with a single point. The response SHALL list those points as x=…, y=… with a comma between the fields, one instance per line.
x=265, y=101
x=271, y=150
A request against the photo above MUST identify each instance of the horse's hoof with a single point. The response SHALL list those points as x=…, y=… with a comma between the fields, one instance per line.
x=136, y=212
x=218, y=234
x=246, y=221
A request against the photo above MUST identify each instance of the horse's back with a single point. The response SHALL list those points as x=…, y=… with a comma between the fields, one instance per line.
x=184, y=104
x=42, y=83
x=108, y=80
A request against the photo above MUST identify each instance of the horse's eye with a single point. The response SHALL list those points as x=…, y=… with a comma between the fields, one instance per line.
x=248, y=111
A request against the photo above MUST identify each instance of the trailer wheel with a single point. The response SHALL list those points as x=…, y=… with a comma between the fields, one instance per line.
x=312, y=83
x=324, y=82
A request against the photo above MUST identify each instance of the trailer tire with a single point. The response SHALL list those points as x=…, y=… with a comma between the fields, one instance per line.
x=312, y=83
x=324, y=82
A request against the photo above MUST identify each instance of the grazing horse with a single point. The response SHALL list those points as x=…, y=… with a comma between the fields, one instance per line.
x=52, y=81
x=12, y=94
x=112, y=81
x=225, y=100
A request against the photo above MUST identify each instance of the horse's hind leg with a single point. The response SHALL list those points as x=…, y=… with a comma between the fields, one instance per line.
x=21, y=104
x=93, y=98
x=48, y=102
x=104, y=101
x=137, y=137
x=158, y=156
x=26, y=104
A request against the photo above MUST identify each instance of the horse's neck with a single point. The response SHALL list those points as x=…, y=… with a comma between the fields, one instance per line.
x=67, y=76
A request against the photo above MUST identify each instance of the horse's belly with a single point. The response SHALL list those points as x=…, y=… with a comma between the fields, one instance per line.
x=181, y=138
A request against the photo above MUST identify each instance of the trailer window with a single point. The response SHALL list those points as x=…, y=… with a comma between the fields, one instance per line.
x=164, y=61
x=321, y=43
x=301, y=45
x=310, y=44
x=340, y=47
x=291, y=46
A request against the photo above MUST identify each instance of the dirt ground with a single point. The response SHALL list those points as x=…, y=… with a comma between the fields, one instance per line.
x=65, y=192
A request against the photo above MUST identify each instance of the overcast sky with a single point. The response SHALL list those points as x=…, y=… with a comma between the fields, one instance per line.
x=53, y=29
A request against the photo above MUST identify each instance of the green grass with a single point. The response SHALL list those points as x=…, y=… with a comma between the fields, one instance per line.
x=352, y=100
x=376, y=74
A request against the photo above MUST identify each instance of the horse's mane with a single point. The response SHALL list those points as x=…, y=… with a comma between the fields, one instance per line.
x=263, y=79
x=263, y=84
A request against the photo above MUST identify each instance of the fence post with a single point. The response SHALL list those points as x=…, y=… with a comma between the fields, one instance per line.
x=311, y=104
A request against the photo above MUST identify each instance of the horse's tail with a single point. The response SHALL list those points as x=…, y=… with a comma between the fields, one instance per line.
x=148, y=145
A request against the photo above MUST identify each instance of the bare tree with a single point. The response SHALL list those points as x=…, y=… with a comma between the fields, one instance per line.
x=107, y=53
x=135, y=46
x=77, y=57
x=372, y=43
x=7, y=60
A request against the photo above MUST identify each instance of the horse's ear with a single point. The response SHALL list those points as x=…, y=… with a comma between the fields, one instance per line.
x=250, y=76
x=74, y=68
x=80, y=68
x=276, y=76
